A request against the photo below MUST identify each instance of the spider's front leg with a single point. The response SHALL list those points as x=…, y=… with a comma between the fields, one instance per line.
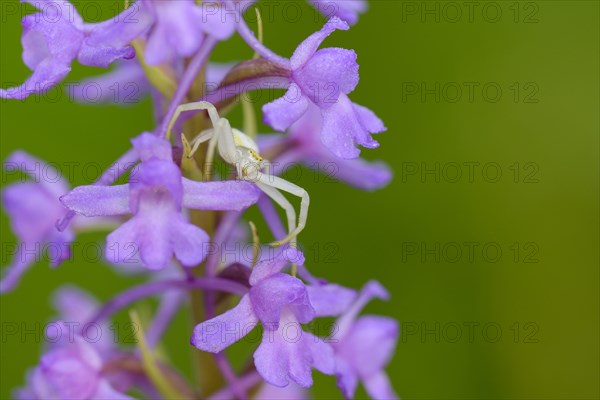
x=199, y=139
x=196, y=106
x=220, y=138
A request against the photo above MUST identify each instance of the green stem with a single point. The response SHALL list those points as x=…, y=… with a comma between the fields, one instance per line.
x=151, y=368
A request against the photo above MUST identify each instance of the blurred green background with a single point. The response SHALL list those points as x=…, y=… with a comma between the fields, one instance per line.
x=522, y=324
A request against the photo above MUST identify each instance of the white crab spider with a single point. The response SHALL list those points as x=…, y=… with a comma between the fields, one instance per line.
x=239, y=150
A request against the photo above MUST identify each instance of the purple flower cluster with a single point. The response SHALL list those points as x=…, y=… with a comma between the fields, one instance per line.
x=175, y=210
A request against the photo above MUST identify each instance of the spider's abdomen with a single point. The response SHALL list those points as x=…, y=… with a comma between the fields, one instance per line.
x=243, y=140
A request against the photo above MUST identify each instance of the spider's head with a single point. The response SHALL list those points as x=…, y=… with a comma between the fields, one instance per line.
x=251, y=163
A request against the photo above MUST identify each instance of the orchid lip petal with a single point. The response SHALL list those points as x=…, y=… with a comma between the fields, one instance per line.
x=284, y=111
x=220, y=332
x=330, y=300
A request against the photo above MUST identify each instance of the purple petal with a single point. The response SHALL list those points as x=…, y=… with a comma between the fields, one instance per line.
x=370, y=290
x=25, y=394
x=154, y=230
x=365, y=175
x=105, y=391
x=283, y=112
x=59, y=245
x=308, y=128
x=342, y=130
x=358, y=172
x=46, y=75
x=272, y=359
x=330, y=300
x=280, y=291
x=220, y=332
x=189, y=242
x=273, y=265
x=157, y=181
x=369, y=344
x=310, y=45
x=103, y=56
x=72, y=371
x=368, y=119
x=182, y=19
x=321, y=353
x=121, y=244
x=110, y=40
x=150, y=146
x=54, y=9
x=87, y=352
x=51, y=36
x=347, y=379
x=43, y=173
x=158, y=50
x=93, y=201
x=347, y=10
x=219, y=20
x=74, y=305
x=177, y=31
x=50, y=43
x=225, y=195
x=289, y=353
x=125, y=84
x=378, y=387
x=33, y=211
x=77, y=306
x=22, y=261
x=328, y=73
x=42, y=388
x=119, y=31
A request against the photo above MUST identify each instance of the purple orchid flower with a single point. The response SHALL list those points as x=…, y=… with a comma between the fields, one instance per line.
x=77, y=312
x=175, y=30
x=156, y=195
x=347, y=10
x=178, y=28
x=281, y=303
x=307, y=148
x=323, y=77
x=71, y=367
x=72, y=370
x=34, y=209
x=77, y=308
x=81, y=361
x=53, y=38
x=364, y=346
